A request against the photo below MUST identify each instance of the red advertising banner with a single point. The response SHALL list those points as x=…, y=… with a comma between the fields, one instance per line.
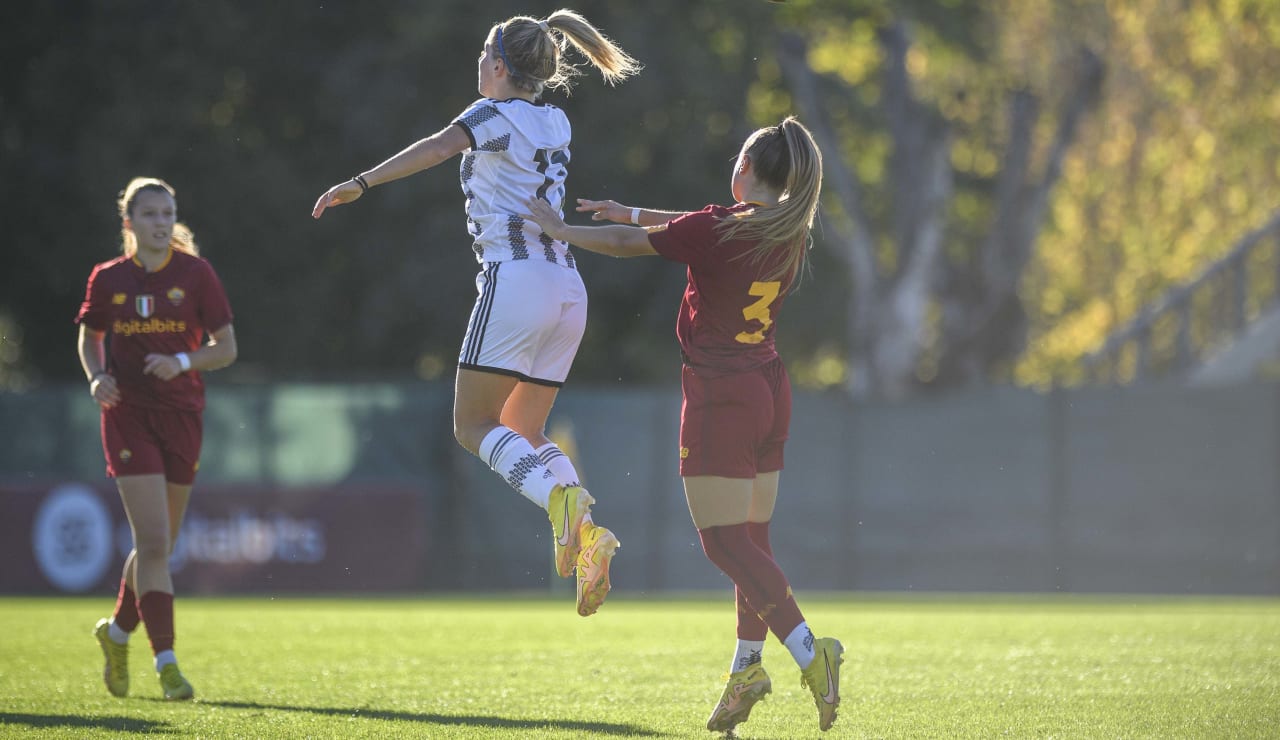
x=72, y=538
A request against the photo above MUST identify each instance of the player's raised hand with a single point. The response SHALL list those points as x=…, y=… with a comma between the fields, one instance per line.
x=343, y=192
x=605, y=210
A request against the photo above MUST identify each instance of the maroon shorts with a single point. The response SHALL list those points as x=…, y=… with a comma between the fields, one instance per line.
x=139, y=441
x=734, y=426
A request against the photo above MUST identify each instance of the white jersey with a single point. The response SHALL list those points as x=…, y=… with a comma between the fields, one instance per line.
x=519, y=151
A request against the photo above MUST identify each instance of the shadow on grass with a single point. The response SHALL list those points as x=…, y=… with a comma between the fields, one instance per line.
x=595, y=728
x=122, y=724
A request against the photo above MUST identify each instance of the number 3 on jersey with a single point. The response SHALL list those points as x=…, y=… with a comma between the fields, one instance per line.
x=759, y=311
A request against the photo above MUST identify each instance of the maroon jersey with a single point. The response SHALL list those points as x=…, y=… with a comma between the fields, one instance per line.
x=726, y=321
x=167, y=311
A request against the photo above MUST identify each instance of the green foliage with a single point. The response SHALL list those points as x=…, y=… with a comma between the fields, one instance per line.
x=518, y=667
x=1178, y=163
x=252, y=109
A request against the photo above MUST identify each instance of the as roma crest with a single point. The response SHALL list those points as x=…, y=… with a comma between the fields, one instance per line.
x=145, y=305
x=175, y=295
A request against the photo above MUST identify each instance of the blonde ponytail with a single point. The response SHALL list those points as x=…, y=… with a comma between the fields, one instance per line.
x=785, y=158
x=535, y=59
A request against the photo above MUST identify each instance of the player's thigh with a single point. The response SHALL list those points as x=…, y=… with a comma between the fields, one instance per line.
x=146, y=504
x=527, y=409
x=178, y=497
x=478, y=398
x=764, y=495
x=716, y=501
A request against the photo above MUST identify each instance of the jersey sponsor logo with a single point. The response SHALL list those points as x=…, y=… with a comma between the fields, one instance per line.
x=150, y=326
x=145, y=305
x=118, y=299
x=175, y=295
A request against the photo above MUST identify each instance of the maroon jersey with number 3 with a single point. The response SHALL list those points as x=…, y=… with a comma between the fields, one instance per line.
x=167, y=311
x=726, y=321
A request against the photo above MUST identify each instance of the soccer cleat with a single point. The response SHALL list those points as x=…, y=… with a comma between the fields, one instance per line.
x=823, y=679
x=566, y=509
x=115, y=671
x=598, y=546
x=743, y=690
x=176, y=688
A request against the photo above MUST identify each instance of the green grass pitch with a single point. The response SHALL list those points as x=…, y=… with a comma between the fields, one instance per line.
x=528, y=667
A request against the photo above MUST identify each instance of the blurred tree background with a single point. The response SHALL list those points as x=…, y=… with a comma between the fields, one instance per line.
x=1006, y=181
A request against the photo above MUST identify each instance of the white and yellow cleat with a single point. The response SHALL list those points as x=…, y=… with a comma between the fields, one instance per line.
x=174, y=685
x=598, y=546
x=566, y=509
x=115, y=670
x=743, y=689
x=822, y=677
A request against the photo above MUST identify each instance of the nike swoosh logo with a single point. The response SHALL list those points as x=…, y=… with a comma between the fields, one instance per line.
x=563, y=539
x=830, y=696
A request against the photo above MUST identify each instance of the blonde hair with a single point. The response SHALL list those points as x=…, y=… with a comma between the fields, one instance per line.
x=182, y=239
x=786, y=159
x=534, y=57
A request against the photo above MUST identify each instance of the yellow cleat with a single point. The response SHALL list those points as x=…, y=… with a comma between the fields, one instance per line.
x=823, y=679
x=566, y=509
x=176, y=688
x=598, y=546
x=115, y=672
x=743, y=690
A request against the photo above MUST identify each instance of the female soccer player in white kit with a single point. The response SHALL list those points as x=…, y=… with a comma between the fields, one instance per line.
x=531, y=310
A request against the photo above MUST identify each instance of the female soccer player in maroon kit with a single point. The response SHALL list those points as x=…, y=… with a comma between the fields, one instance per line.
x=157, y=303
x=742, y=260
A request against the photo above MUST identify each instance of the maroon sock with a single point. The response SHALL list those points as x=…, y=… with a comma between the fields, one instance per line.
x=754, y=572
x=750, y=625
x=126, y=613
x=157, y=613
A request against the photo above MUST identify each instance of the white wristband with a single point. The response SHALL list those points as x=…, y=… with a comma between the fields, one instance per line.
x=635, y=216
x=183, y=361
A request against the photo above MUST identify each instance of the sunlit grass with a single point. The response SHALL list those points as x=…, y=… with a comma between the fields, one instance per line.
x=521, y=667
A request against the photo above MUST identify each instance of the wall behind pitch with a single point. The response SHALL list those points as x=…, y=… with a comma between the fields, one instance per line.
x=1156, y=489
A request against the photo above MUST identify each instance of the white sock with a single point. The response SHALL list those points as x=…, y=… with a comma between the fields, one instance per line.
x=562, y=467
x=559, y=463
x=117, y=635
x=164, y=658
x=748, y=654
x=512, y=457
x=800, y=643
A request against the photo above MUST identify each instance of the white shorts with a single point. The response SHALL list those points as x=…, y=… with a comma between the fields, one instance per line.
x=527, y=322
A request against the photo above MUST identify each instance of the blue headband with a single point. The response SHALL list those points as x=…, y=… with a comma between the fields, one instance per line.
x=503, y=53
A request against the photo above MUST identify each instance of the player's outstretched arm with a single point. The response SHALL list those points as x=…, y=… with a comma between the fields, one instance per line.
x=614, y=241
x=419, y=156
x=610, y=210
